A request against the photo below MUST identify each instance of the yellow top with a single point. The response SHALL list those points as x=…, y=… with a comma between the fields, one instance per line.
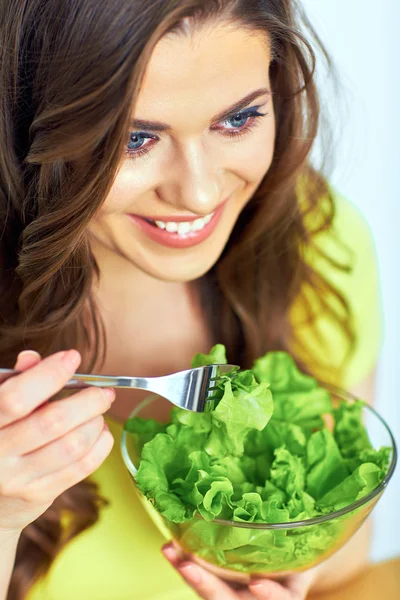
x=119, y=557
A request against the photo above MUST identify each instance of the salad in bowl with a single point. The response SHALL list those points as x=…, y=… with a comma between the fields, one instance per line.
x=274, y=478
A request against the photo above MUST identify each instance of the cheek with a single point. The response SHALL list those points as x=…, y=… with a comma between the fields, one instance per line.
x=130, y=184
x=254, y=165
x=256, y=156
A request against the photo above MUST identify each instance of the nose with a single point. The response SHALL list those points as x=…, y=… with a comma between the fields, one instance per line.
x=194, y=183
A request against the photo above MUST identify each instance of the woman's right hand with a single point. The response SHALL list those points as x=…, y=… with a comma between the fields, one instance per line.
x=47, y=447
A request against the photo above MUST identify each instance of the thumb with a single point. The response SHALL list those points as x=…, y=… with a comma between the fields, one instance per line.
x=27, y=359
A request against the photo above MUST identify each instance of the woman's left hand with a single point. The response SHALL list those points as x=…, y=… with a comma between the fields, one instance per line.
x=210, y=587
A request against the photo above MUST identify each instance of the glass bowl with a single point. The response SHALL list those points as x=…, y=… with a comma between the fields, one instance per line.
x=275, y=549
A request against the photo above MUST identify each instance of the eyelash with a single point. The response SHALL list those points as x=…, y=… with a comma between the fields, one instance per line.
x=252, y=115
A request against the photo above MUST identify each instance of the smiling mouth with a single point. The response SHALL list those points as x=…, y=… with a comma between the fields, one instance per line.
x=181, y=233
x=182, y=228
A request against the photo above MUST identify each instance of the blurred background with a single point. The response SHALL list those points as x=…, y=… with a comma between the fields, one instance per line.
x=363, y=39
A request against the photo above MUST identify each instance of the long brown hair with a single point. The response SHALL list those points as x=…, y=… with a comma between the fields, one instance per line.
x=69, y=73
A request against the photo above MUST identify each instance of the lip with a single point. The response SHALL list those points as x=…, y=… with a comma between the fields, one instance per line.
x=174, y=240
x=173, y=219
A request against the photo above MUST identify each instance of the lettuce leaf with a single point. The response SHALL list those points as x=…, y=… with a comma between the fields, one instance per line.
x=298, y=399
x=143, y=430
x=325, y=465
x=160, y=464
x=244, y=405
x=240, y=410
x=349, y=431
x=280, y=371
x=357, y=485
x=217, y=356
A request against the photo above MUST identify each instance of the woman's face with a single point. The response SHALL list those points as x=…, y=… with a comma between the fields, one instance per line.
x=202, y=139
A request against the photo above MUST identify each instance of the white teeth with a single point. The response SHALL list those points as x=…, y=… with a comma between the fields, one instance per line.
x=198, y=224
x=171, y=227
x=186, y=226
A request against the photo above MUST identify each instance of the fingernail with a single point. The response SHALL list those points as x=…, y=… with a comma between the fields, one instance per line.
x=259, y=587
x=29, y=352
x=110, y=393
x=191, y=573
x=170, y=553
x=71, y=357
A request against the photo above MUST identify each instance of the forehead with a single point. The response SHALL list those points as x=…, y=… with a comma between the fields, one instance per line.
x=202, y=72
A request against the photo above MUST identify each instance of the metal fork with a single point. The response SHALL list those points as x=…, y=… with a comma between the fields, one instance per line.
x=190, y=389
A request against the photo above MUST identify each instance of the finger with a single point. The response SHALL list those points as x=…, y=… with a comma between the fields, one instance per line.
x=27, y=359
x=171, y=554
x=266, y=588
x=294, y=587
x=177, y=558
x=61, y=453
x=53, y=420
x=47, y=488
x=299, y=584
x=207, y=585
x=21, y=394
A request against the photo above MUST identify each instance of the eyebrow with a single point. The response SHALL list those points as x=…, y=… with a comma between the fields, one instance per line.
x=235, y=108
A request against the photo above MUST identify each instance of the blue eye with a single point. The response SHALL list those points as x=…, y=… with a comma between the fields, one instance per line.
x=136, y=140
x=238, y=120
x=139, y=143
x=242, y=121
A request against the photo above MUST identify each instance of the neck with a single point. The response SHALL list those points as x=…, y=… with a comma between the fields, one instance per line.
x=137, y=306
x=152, y=327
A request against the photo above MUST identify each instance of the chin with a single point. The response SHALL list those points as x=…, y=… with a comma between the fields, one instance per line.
x=179, y=275
x=177, y=271
x=180, y=266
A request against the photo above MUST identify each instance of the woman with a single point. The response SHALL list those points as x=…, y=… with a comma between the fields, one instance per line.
x=156, y=198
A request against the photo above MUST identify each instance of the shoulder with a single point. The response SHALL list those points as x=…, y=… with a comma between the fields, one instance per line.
x=353, y=265
x=347, y=243
x=350, y=238
x=345, y=256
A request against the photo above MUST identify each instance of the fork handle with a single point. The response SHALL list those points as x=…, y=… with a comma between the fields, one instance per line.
x=80, y=380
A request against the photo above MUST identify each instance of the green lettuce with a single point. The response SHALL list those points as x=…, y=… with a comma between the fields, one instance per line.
x=262, y=454
x=217, y=356
x=325, y=465
x=244, y=405
x=357, y=485
x=298, y=399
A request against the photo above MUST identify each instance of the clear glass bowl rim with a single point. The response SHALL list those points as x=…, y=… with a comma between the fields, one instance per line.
x=342, y=394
